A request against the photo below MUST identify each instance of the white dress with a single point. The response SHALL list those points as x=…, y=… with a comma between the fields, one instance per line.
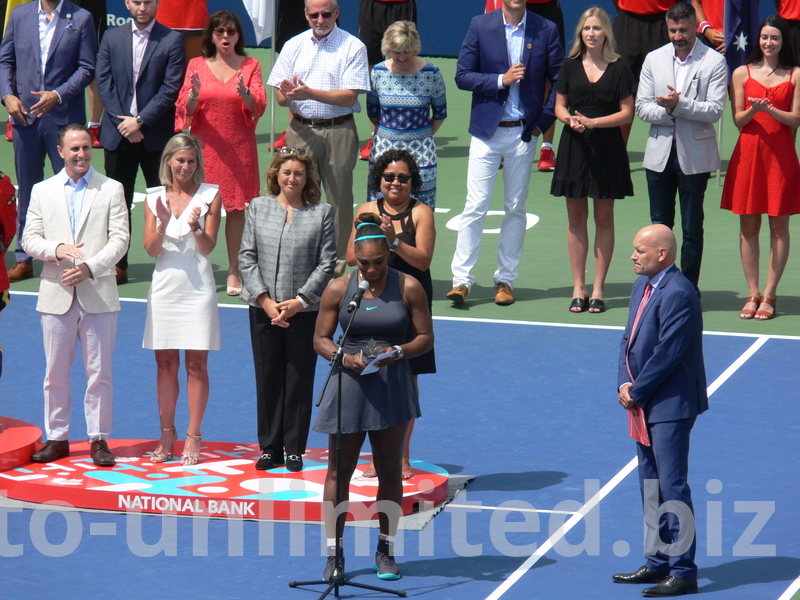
x=182, y=311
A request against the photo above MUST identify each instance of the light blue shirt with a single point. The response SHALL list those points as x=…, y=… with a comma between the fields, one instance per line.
x=46, y=31
x=75, y=192
x=515, y=40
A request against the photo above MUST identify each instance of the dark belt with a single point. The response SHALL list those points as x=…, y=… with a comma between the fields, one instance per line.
x=511, y=123
x=323, y=122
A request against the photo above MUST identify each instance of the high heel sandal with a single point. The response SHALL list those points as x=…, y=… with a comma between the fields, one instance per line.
x=160, y=457
x=191, y=458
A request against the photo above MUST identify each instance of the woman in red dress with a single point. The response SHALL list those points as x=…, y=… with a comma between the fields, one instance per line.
x=763, y=172
x=222, y=99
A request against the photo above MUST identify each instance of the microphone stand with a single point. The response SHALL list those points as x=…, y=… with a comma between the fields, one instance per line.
x=337, y=579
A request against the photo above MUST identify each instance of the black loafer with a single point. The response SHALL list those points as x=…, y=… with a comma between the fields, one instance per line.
x=101, y=455
x=643, y=575
x=53, y=450
x=671, y=586
x=294, y=463
x=267, y=461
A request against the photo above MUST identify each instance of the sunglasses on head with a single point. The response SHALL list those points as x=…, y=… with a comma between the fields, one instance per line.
x=296, y=151
x=220, y=31
x=390, y=177
x=316, y=15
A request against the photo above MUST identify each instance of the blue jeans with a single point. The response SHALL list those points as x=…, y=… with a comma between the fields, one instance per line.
x=691, y=190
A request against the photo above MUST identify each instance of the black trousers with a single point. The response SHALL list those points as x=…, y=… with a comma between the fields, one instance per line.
x=285, y=362
x=122, y=165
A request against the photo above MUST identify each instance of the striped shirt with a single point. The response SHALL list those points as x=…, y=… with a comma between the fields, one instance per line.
x=336, y=62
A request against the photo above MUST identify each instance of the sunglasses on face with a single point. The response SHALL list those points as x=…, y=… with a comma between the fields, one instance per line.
x=390, y=177
x=317, y=15
x=296, y=151
x=231, y=31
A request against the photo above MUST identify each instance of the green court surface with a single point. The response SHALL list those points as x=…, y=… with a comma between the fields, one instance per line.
x=544, y=287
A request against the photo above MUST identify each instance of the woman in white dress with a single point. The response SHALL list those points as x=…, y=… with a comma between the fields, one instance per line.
x=181, y=224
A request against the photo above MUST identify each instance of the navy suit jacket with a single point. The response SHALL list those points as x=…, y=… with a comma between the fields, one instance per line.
x=160, y=79
x=69, y=68
x=484, y=56
x=666, y=352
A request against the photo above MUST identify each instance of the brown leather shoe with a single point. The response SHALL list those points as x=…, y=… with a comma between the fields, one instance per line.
x=20, y=271
x=122, y=276
x=503, y=295
x=458, y=294
x=53, y=450
x=101, y=455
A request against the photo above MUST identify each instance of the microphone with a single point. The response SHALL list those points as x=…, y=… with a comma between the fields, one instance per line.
x=356, y=301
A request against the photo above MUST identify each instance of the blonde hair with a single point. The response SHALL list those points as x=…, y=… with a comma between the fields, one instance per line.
x=178, y=143
x=609, y=46
x=401, y=36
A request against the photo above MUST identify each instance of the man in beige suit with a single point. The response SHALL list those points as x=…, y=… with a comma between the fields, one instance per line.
x=77, y=224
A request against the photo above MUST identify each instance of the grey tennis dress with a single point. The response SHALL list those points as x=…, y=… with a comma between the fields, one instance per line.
x=378, y=400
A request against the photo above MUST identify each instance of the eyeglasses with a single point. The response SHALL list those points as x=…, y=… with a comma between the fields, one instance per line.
x=390, y=177
x=288, y=150
x=231, y=31
x=317, y=15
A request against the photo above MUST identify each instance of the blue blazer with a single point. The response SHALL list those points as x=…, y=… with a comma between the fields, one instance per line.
x=160, y=80
x=484, y=56
x=69, y=68
x=666, y=352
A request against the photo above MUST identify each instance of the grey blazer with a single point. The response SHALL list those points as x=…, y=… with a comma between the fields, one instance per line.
x=313, y=251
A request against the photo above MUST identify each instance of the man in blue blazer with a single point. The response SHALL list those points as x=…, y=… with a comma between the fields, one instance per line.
x=46, y=62
x=661, y=372
x=509, y=58
x=139, y=118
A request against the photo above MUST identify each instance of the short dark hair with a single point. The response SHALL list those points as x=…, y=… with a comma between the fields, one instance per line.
x=62, y=133
x=788, y=53
x=222, y=18
x=681, y=11
x=368, y=227
x=387, y=158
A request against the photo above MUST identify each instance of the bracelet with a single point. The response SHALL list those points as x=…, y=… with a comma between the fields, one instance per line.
x=158, y=232
x=246, y=92
x=303, y=302
x=701, y=29
x=192, y=96
x=197, y=232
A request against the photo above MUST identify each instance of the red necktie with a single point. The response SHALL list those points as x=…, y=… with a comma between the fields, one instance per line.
x=648, y=289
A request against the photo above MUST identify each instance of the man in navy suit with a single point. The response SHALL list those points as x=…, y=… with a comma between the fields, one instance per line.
x=140, y=70
x=46, y=61
x=509, y=58
x=661, y=372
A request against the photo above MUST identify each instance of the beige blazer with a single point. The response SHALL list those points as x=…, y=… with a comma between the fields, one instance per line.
x=700, y=105
x=103, y=230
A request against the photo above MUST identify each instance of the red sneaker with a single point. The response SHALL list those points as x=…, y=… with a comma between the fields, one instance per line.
x=94, y=131
x=280, y=142
x=366, y=150
x=547, y=160
x=9, y=131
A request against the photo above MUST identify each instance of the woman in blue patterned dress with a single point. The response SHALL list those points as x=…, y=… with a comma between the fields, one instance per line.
x=407, y=104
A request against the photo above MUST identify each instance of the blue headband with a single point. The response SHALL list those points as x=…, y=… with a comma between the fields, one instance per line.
x=368, y=237
x=364, y=224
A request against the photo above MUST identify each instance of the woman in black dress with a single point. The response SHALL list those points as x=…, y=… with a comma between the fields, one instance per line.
x=595, y=96
x=380, y=404
x=411, y=233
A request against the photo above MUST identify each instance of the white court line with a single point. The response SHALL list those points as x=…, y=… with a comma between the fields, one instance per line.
x=509, y=509
x=604, y=491
x=791, y=590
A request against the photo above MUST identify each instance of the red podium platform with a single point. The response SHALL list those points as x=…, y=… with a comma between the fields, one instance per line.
x=18, y=442
x=224, y=484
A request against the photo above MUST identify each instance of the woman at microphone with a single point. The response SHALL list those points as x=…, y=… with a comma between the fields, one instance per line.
x=382, y=403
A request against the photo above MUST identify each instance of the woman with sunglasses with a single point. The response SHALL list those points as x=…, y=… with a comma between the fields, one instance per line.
x=287, y=258
x=222, y=100
x=409, y=228
x=379, y=404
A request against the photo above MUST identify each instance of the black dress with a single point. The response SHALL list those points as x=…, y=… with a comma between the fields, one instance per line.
x=593, y=163
x=424, y=363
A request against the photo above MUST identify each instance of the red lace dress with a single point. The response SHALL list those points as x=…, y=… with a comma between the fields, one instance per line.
x=764, y=172
x=227, y=129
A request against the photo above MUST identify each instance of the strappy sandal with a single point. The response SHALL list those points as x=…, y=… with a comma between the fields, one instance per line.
x=763, y=315
x=747, y=313
x=160, y=457
x=191, y=458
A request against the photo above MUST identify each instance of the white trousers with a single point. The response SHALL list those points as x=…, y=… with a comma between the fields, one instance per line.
x=96, y=333
x=484, y=163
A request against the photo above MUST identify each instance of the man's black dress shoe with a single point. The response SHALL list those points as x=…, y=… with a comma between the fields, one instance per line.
x=101, y=455
x=671, y=586
x=53, y=450
x=643, y=575
x=268, y=460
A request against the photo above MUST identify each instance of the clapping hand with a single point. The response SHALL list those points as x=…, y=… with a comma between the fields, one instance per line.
x=761, y=104
x=163, y=211
x=194, y=217
x=388, y=229
x=241, y=87
x=195, y=79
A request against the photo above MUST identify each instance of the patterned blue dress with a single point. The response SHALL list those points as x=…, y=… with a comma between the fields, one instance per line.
x=402, y=104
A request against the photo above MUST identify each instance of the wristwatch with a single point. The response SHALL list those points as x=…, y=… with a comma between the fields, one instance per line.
x=303, y=302
x=394, y=245
x=139, y=120
x=400, y=353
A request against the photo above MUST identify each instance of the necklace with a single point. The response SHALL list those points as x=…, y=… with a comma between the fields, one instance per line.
x=377, y=285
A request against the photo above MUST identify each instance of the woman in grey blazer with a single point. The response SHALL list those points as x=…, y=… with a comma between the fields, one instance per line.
x=287, y=257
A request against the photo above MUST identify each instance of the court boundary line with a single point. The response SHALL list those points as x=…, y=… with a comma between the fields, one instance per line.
x=791, y=590
x=608, y=487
